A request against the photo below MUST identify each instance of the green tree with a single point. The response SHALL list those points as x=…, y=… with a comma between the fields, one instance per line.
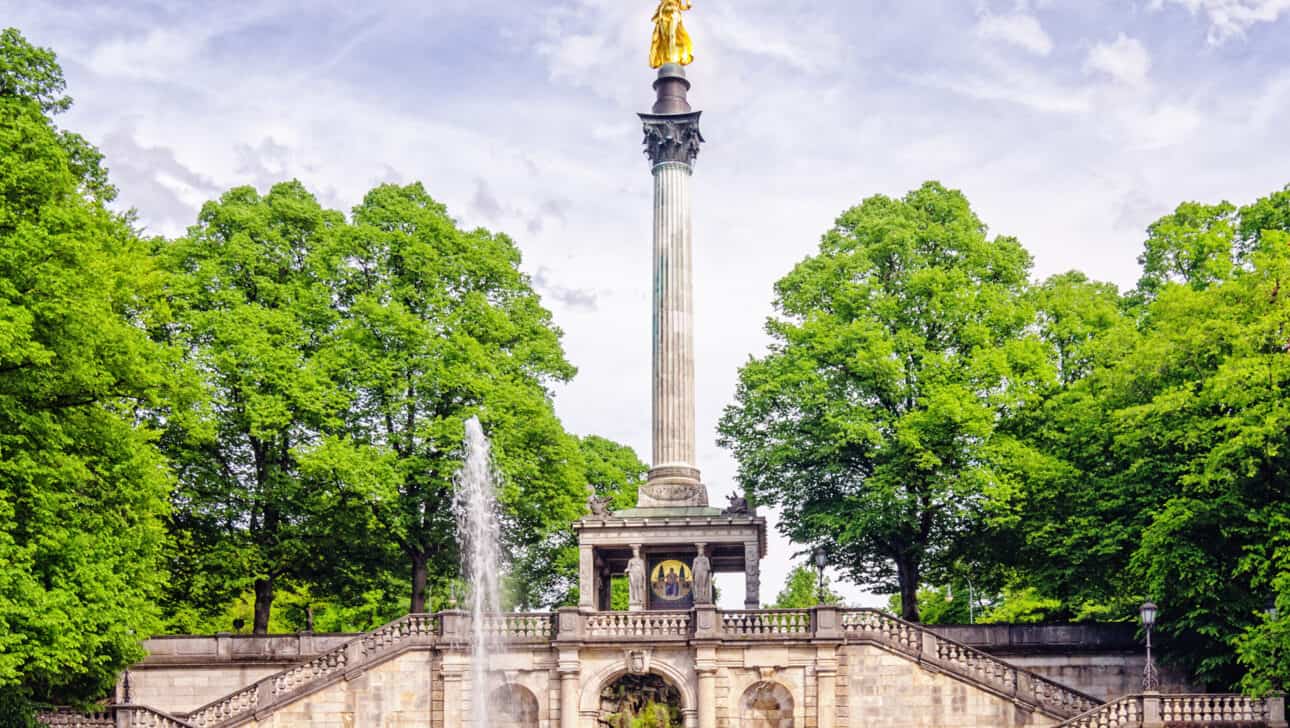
x=802, y=590
x=253, y=310
x=874, y=421
x=438, y=325
x=1165, y=471
x=82, y=486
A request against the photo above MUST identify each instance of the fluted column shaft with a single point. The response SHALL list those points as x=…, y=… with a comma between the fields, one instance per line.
x=673, y=406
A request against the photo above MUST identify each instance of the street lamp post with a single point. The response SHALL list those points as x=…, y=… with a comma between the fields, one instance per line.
x=1150, y=680
x=821, y=560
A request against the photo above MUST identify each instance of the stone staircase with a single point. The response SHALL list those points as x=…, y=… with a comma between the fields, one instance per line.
x=451, y=630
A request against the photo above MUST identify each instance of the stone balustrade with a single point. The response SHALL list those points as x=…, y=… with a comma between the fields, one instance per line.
x=68, y=718
x=762, y=623
x=631, y=626
x=1154, y=710
x=522, y=627
x=117, y=716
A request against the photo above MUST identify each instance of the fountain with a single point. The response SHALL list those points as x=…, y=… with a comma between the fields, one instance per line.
x=479, y=533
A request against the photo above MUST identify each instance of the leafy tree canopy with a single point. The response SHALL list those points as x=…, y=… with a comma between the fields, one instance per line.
x=874, y=421
x=82, y=486
x=802, y=590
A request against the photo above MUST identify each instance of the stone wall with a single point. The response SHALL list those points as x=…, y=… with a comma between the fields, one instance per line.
x=891, y=691
x=396, y=694
x=182, y=673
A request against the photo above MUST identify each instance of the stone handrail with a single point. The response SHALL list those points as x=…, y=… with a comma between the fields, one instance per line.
x=1179, y=711
x=116, y=716
x=137, y=716
x=1123, y=713
x=69, y=718
x=974, y=665
x=348, y=656
x=1209, y=709
x=766, y=622
x=638, y=625
x=521, y=627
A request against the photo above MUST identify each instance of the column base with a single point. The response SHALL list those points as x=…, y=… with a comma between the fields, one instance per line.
x=673, y=486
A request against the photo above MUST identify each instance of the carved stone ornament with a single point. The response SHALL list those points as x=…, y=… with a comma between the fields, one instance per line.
x=674, y=491
x=738, y=506
x=638, y=662
x=672, y=138
x=598, y=505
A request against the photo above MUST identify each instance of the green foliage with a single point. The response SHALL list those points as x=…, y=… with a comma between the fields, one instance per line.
x=253, y=311
x=874, y=421
x=1166, y=469
x=802, y=590
x=82, y=486
x=438, y=325
x=28, y=72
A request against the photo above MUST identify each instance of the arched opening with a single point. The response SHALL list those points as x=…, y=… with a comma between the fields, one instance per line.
x=513, y=706
x=639, y=701
x=766, y=705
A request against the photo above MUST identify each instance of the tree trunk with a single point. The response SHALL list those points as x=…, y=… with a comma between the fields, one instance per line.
x=419, y=577
x=263, y=606
x=907, y=573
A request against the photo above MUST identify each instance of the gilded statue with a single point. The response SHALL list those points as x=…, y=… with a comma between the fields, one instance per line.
x=671, y=42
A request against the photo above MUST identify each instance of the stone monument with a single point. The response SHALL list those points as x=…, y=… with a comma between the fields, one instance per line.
x=672, y=527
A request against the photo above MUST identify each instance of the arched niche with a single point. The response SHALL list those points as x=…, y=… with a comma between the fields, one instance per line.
x=512, y=706
x=766, y=704
x=589, y=702
x=640, y=699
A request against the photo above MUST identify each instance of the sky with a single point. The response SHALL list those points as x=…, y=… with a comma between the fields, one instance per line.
x=1070, y=124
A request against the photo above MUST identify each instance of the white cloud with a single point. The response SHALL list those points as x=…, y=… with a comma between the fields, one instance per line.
x=1125, y=59
x=1231, y=18
x=1018, y=29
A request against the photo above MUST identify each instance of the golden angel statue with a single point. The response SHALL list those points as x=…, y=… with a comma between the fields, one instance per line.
x=671, y=42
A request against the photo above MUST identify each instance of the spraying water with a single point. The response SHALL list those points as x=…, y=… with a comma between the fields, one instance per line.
x=478, y=532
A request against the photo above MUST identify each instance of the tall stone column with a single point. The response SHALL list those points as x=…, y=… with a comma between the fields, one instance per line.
x=672, y=140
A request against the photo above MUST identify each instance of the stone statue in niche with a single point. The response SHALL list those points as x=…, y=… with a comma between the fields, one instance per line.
x=702, y=577
x=636, y=580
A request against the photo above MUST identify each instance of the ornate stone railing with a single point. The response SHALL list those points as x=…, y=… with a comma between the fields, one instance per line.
x=1122, y=713
x=637, y=625
x=136, y=716
x=766, y=623
x=524, y=627
x=883, y=628
x=972, y=664
x=69, y=718
x=116, y=716
x=334, y=663
x=1214, y=709
x=1180, y=711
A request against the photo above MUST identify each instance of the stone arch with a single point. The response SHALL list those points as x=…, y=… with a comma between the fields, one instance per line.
x=589, y=700
x=513, y=706
x=766, y=704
